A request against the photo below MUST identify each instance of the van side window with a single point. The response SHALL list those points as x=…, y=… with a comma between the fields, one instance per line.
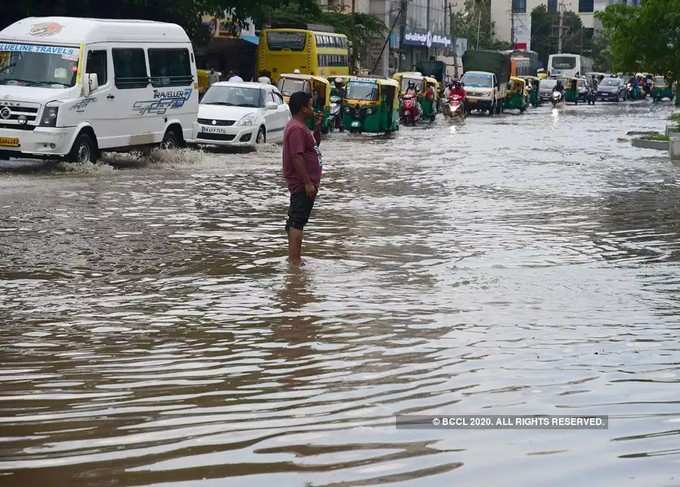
x=97, y=64
x=130, y=68
x=170, y=67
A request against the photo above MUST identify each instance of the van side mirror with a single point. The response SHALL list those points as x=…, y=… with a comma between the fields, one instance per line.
x=271, y=105
x=92, y=82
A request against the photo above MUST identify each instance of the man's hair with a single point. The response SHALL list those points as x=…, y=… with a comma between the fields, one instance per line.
x=298, y=100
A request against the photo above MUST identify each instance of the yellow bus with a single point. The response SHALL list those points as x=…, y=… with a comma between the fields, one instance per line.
x=317, y=53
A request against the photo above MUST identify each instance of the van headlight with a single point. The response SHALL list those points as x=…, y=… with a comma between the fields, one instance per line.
x=247, y=120
x=49, y=116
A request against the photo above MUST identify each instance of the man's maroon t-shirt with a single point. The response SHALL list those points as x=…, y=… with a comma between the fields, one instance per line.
x=298, y=139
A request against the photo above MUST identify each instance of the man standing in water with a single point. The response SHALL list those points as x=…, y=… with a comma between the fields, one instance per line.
x=301, y=168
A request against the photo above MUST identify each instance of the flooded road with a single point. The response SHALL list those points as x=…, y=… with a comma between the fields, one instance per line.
x=153, y=334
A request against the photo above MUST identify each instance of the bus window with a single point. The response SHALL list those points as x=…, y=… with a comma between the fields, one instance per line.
x=278, y=41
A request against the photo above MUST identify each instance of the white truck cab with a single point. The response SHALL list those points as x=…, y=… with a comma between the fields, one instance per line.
x=71, y=87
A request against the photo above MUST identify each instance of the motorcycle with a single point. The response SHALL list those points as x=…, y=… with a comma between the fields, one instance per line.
x=335, y=118
x=556, y=98
x=410, y=112
x=455, y=107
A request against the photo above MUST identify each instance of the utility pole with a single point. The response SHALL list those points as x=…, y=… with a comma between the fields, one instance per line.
x=427, y=28
x=560, y=28
x=479, y=26
x=403, y=12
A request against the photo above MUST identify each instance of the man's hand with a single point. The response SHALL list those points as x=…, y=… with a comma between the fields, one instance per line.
x=318, y=119
x=310, y=189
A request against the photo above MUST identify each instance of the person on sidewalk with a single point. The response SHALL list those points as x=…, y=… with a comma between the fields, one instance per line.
x=301, y=169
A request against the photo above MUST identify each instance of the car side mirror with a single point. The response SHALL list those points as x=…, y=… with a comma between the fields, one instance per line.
x=271, y=105
x=92, y=82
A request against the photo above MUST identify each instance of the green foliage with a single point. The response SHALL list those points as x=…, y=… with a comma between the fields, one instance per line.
x=657, y=136
x=477, y=14
x=645, y=38
x=544, y=39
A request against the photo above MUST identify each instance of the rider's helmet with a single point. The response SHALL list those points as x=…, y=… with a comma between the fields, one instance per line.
x=456, y=84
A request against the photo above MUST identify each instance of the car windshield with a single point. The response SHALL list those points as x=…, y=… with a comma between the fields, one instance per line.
x=359, y=90
x=288, y=86
x=235, y=96
x=36, y=65
x=564, y=62
x=477, y=80
x=609, y=82
x=548, y=84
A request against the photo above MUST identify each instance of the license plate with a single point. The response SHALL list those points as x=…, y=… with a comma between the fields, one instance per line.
x=212, y=130
x=355, y=124
x=9, y=141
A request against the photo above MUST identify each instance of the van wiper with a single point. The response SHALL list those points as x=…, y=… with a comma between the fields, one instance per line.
x=18, y=80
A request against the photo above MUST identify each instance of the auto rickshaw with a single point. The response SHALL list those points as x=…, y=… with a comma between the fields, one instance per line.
x=404, y=78
x=429, y=98
x=570, y=90
x=661, y=89
x=318, y=87
x=371, y=105
x=516, y=98
x=533, y=85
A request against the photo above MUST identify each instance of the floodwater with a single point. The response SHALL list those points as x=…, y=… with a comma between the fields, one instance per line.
x=153, y=333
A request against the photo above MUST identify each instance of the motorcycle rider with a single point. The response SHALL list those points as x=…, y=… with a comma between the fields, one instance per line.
x=456, y=89
x=340, y=88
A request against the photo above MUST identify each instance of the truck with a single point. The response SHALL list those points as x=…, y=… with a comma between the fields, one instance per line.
x=486, y=74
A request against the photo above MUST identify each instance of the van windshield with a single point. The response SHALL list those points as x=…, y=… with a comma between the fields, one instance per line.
x=36, y=65
x=477, y=80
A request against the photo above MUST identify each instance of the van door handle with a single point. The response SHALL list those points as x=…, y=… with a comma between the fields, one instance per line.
x=110, y=97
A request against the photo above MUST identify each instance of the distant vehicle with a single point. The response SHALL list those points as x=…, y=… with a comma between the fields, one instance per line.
x=485, y=79
x=71, y=87
x=568, y=65
x=611, y=89
x=240, y=114
x=582, y=86
x=317, y=53
x=545, y=89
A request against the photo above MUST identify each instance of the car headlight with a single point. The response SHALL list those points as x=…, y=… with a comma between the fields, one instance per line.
x=247, y=120
x=369, y=111
x=49, y=117
x=348, y=109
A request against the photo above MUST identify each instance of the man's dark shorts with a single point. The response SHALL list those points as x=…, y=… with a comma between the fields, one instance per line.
x=299, y=210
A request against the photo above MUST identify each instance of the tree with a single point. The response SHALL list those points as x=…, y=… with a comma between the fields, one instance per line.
x=644, y=38
x=474, y=19
x=544, y=36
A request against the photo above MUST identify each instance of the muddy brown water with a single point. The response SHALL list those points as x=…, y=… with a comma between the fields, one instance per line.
x=153, y=334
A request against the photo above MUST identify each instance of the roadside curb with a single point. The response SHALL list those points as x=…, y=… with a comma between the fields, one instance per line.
x=651, y=144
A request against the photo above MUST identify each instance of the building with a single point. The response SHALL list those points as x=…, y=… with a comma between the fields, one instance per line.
x=512, y=18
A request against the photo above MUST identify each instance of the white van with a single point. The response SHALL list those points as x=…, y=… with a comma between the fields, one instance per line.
x=71, y=87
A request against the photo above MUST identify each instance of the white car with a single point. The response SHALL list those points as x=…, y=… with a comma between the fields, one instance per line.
x=241, y=114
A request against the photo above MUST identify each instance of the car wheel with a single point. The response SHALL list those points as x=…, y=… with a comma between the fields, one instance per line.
x=261, y=136
x=84, y=149
x=171, y=140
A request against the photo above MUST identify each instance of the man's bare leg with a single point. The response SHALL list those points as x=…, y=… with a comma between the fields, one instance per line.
x=294, y=245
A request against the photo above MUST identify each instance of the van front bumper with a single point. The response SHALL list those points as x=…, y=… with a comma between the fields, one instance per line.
x=42, y=141
x=233, y=135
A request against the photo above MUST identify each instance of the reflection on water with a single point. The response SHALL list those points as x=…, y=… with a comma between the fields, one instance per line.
x=153, y=332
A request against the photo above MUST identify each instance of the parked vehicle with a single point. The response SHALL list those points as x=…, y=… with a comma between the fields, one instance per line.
x=485, y=79
x=611, y=89
x=72, y=87
x=318, y=87
x=546, y=88
x=371, y=105
x=240, y=114
x=517, y=98
x=661, y=89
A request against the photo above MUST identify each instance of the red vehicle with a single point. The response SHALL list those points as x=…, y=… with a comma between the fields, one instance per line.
x=410, y=111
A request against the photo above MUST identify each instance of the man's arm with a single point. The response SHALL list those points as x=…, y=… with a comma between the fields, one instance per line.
x=301, y=168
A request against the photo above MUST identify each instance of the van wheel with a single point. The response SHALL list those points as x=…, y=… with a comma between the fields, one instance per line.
x=83, y=150
x=171, y=140
x=261, y=136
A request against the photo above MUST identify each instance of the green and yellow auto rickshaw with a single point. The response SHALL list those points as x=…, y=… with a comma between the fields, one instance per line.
x=429, y=98
x=661, y=89
x=371, y=105
x=533, y=85
x=318, y=87
x=516, y=98
x=570, y=90
x=407, y=77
